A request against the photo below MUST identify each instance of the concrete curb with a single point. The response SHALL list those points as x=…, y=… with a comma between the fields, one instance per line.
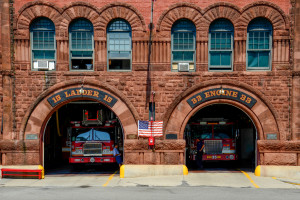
x=292, y=172
x=132, y=171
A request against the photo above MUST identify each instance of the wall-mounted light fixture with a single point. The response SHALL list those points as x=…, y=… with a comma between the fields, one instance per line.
x=81, y=90
x=221, y=90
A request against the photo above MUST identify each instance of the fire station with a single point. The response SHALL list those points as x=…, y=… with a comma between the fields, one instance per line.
x=78, y=78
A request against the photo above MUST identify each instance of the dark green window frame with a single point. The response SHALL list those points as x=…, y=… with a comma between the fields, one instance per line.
x=81, y=44
x=119, y=45
x=220, y=45
x=43, y=44
x=259, y=44
x=183, y=45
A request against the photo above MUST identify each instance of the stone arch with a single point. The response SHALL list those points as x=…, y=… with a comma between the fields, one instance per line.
x=179, y=11
x=266, y=10
x=38, y=113
x=31, y=11
x=217, y=11
x=78, y=10
x=124, y=11
x=263, y=113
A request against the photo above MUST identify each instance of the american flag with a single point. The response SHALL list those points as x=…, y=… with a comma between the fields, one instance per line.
x=150, y=128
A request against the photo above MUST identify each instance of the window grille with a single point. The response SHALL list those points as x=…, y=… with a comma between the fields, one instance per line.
x=43, y=47
x=119, y=45
x=220, y=45
x=183, y=45
x=259, y=44
x=81, y=45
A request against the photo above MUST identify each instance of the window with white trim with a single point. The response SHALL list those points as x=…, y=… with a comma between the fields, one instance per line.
x=220, y=45
x=259, y=44
x=43, y=45
x=183, y=45
x=119, y=45
x=81, y=39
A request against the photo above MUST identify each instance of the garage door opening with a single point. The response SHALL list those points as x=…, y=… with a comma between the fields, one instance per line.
x=228, y=135
x=79, y=138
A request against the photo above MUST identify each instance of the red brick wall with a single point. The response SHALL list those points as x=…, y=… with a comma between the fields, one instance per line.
x=1, y=90
x=144, y=6
x=296, y=78
x=273, y=85
x=168, y=85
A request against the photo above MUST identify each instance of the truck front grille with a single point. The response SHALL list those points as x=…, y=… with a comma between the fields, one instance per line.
x=213, y=146
x=92, y=149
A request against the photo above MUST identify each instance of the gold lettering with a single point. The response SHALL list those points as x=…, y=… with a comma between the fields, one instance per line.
x=199, y=98
x=218, y=92
x=248, y=100
x=213, y=93
x=56, y=98
x=234, y=94
x=90, y=92
x=73, y=93
x=228, y=92
x=67, y=95
x=206, y=94
x=77, y=92
x=107, y=98
x=96, y=94
x=84, y=92
x=194, y=100
x=243, y=97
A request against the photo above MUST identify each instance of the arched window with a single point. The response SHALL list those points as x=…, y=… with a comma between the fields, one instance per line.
x=220, y=45
x=119, y=45
x=259, y=44
x=81, y=39
x=183, y=45
x=43, y=47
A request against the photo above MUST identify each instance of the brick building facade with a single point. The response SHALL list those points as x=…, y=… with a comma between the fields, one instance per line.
x=25, y=91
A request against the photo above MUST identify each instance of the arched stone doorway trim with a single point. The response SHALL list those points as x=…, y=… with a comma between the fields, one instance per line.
x=238, y=105
x=262, y=113
x=40, y=111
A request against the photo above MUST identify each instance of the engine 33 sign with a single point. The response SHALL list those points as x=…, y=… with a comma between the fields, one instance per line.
x=222, y=93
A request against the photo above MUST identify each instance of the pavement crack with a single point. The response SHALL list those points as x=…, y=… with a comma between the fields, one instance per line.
x=141, y=185
x=84, y=186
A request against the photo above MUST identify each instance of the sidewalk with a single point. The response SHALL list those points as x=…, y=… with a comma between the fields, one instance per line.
x=236, y=180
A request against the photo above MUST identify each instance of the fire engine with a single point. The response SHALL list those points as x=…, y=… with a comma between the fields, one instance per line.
x=92, y=139
x=219, y=138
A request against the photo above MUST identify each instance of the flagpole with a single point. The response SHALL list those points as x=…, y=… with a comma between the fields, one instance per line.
x=150, y=45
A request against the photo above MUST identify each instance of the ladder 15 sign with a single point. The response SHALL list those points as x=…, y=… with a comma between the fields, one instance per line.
x=82, y=92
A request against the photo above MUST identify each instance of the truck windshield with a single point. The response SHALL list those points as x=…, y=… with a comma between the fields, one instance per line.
x=223, y=131
x=220, y=132
x=89, y=134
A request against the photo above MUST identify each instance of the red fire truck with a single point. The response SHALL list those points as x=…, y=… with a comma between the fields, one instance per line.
x=92, y=140
x=219, y=137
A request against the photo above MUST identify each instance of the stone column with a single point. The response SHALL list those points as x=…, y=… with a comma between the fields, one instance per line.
x=6, y=70
x=296, y=75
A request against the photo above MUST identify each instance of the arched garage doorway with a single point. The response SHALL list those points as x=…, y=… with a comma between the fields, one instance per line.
x=228, y=135
x=80, y=137
x=238, y=95
x=94, y=95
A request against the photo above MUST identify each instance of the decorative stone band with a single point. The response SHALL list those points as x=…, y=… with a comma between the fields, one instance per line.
x=82, y=93
x=221, y=93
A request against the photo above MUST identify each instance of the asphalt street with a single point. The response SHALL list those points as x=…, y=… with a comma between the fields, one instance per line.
x=211, y=183
x=145, y=193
